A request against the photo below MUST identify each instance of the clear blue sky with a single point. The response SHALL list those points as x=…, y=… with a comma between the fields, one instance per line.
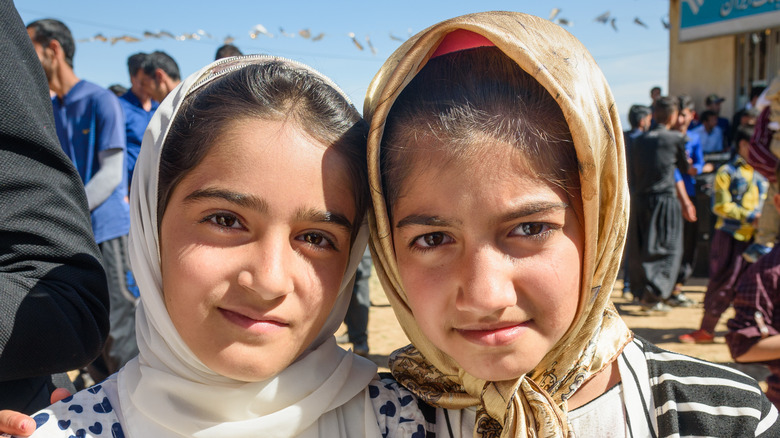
x=633, y=59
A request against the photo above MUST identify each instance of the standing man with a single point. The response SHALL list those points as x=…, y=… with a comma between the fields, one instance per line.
x=90, y=127
x=160, y=75
x=139, y=108
x=53, y=293
x=686, y=193
x=655, y=223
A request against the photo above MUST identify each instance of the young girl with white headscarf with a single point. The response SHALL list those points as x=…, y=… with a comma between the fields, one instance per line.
x=247, y=210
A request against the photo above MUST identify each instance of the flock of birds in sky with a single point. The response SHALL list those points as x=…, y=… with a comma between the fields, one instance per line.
x=259, y=30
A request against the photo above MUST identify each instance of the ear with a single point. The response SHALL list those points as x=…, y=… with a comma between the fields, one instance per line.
x=776, y=200
x=159, y=76
x=55, y=47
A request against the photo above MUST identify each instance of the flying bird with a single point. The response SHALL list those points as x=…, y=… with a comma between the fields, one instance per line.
x=125, y=38
x=305, y=33
x=97, y=37
x=640, y=22
x=564, y=22
x=228, y=40
x=288, y=35
x=613, y=22
x=370, y=46
x=665, y=22
x=318, y=37
x=554, y=13
x=259, y=29
x=395, y=38
x=355, y=41
x=603, y=18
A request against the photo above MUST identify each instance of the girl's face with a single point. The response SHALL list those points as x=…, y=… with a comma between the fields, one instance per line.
x=254, y=243
x=490, y=258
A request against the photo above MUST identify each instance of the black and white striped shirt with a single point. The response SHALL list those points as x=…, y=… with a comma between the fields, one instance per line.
x=672, y=395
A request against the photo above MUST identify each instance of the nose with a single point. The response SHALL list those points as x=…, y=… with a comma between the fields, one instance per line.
x=268, y=269
x=487, y=285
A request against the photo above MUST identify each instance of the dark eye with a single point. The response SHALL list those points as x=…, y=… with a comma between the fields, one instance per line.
x=531, y=229
x=432, y=240
x=316, y=239
x=224, y=220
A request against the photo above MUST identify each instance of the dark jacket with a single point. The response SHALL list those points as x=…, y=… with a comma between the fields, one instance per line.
x=53, y=291
x=652, y=158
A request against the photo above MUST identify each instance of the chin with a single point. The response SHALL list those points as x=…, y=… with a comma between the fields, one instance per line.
x=498, y=369
x=248, y=367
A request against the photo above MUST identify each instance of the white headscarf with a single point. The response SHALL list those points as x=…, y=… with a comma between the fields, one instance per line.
x=168, y=392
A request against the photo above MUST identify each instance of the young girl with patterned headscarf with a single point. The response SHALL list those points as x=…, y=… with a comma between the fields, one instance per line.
x=497, y=174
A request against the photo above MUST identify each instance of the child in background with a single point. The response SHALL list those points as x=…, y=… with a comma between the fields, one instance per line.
x=247, y=205
x=754, y=332
x=500, y=206
x=763, y=157
x=740, y=192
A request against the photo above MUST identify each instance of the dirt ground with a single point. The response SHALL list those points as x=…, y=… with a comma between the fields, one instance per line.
x=385, y=333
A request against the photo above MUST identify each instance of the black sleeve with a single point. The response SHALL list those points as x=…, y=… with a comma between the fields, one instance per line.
x=53, y=291
x=682, y=156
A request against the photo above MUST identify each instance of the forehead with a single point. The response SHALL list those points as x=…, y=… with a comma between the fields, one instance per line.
x=262, y=149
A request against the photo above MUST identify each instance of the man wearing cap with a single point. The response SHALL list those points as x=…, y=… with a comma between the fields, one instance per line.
x=713, y=103
x=711, y=136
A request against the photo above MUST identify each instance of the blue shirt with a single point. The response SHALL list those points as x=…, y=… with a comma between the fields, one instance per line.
x=693, y=150
x=136, y=120
x=710, y=141
x=89, y=120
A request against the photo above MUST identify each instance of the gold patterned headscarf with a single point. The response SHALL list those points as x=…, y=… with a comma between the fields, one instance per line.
x=535, y=404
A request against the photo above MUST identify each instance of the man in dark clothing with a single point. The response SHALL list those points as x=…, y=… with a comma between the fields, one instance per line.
x=655, y=224
x=53, y=292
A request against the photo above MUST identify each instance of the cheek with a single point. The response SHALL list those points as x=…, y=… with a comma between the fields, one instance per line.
x=322, y=286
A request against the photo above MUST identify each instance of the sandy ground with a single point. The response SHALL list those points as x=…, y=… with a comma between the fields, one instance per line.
x=385, y=334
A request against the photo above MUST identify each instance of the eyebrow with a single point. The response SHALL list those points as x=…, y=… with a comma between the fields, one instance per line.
x=241, y=199
x=426, y=220
x=534, y=208
x=261, y=206
x=525, y=210
x=316, y=215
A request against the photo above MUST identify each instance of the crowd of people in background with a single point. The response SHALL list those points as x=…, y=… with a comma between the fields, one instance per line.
x=696, y=177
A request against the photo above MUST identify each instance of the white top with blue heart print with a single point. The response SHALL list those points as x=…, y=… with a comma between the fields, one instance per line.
x=87, y=414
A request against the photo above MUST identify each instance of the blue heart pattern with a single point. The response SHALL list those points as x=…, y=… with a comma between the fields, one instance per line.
x=40, y=419
x=116, y=431
x=388, y=409
x=103, y=407
x=81, y=433
x=75, y=422
x=96, y=428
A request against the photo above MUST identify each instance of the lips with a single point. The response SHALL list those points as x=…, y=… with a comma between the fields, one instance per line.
x=249, y=320
x=494, y=335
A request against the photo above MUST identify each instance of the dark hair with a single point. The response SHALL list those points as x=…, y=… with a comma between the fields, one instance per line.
x=270, y=91
x=636, y=113
x=49, y=29
x=743, y=132
x=685, y=101
x=663, y=109
x=226, y=51
x=707, y=114
x=135, y=62
x=117, y=89
x=458, y=106
x=756, y=91
x=162, y=61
